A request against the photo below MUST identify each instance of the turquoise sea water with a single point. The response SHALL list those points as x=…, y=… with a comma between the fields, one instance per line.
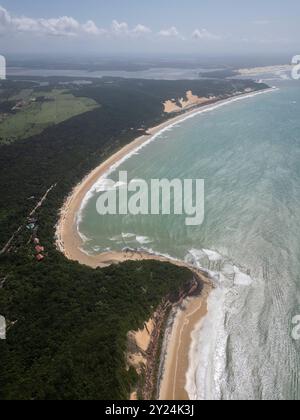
x=248, y=153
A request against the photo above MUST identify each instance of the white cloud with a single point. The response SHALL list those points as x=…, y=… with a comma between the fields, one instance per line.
x=25, y=25
x=91, y=28
x=204, y=34
x=62, y=26
x=67, y=26
x=141, y=29
x=170, y=33
x=262, y=22
x=5, y=19
x=119, y=28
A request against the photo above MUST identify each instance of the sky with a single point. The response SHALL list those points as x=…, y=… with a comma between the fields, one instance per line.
x=158, y=26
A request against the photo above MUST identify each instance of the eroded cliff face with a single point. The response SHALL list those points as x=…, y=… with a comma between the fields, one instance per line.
x=144, y=346
x=181, y=104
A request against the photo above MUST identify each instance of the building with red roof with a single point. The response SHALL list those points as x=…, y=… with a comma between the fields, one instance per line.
x=39, y=249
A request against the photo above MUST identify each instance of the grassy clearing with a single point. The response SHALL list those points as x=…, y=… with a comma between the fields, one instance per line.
x=33, y=117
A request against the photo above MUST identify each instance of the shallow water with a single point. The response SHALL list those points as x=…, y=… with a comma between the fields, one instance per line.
x=248, y=153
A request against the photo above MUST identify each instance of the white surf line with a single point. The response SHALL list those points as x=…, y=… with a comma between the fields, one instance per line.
x=186, y=322
x=193, y=114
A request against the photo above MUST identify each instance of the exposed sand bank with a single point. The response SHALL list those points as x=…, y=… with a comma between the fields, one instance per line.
x=252, y=72
x=142, y=337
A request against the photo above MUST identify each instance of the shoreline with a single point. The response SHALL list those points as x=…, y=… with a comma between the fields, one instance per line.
x=177, y=343
x=69, y=242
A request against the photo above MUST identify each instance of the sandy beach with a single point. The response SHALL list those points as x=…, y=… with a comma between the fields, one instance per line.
x=172, y=386
x=69, y=243
x=252, y=72
x=67, y=238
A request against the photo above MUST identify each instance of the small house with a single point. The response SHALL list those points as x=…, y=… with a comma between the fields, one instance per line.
x=39, y=249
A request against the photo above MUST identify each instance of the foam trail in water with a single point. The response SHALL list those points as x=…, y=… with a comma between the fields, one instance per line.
x=209, y=108
x=204, y=363
x=208, y=354
x=143, y=240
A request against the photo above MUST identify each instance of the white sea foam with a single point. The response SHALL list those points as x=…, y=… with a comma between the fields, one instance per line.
x=97, y=248
x=143, y=240
x=209, y=108
x=205, y=363
x=103, y=185
x=241, y=279
x=212, y=255
x=131, y=237
x=83, y=237
x=150, y=251
x=248, y=339
x=84, y=251
x=128, y=235
x=107, y=185
x=195, y=255
x=206, y=375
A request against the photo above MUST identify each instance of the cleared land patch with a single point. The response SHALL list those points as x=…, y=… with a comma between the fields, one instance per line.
x=33, y=111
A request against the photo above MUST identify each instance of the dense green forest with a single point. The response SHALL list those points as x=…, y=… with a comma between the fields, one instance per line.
x=68, y=323
x=71, y=323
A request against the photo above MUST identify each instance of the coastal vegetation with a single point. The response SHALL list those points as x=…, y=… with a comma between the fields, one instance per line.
x=68, y=324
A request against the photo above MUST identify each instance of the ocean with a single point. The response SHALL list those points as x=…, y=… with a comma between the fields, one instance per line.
x=248, y=153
